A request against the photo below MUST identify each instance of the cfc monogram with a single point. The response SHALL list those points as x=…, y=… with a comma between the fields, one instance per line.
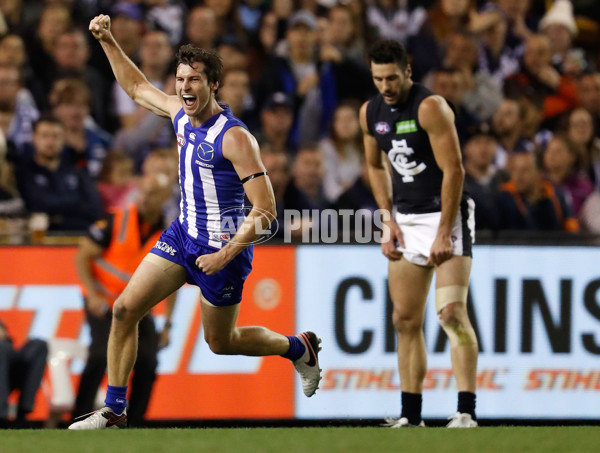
x=398, y=156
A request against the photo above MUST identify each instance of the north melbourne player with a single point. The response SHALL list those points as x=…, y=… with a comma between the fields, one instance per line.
x=219, y=162
x=431, y=222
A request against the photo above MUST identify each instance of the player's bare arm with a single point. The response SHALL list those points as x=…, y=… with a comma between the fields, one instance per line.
x=241, y=148
x=437, y=118
x=381, y=185
x=131, y=79
x=87, y=252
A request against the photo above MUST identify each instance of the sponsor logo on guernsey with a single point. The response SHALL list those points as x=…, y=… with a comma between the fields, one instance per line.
x=164, y=247
x=399, y=157
x=205, y=152
x=382, y=127
x=405, y=127
x=180, y=140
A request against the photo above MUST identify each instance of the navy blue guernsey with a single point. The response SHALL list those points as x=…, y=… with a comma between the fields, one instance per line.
x=416, y=177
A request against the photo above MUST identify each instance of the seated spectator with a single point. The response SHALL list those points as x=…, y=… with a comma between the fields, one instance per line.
x=20, y=368
x=448, y=83
x=540, y=82
x=201, y=27
x=234, y=90
x=580, y=130
x=483, y=179
x=12, y=207
x=308, y=171
x=562, y=166
x=507, y=127
x=287, y=195
x=233, y=55
x=116, y=182
x=87, y=144
x=559, y=25
x=54, y=186
x=481, y=92
x=588, y=97
x=142, y=130
x=342, y=152
x=17, y=110
x=527, y=202
x=276, y=120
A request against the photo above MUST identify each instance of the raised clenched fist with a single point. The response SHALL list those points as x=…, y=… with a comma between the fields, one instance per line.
x=100, y=27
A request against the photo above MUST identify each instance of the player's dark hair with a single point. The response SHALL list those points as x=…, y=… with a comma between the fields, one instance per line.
x=47, y=118
x=385, y=51
x=213, y=65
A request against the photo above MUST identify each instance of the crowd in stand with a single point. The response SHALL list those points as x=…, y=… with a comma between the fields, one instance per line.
x=521, y=75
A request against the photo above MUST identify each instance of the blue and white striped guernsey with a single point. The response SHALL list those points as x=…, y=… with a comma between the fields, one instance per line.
x=212, y=196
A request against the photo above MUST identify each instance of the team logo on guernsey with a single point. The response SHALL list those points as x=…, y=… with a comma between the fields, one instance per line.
x=382, y=127
x=180, y=140
x=205, y=151
x=399, y=157
x=192, y=137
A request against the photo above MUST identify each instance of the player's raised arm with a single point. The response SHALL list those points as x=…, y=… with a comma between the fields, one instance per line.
x=241, y=148
x=131, y=79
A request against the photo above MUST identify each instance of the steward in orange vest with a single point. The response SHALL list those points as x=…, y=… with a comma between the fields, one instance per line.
x=105, y=262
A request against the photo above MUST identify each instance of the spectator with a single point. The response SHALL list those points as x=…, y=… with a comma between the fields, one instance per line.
x=142, y=130
x=166, y=162
x=507, y=127
x=344, y=33
x=443, y=18
x=342, y=151
x=308, y=171
x=53, y=185
x=13, y=53
x=588, y=96
x=71, y=56
x=276, y=119
x=229, y=27
x=393, y=19
x=526, y=202
x=233, y=55
x=20, y=368
x=87, y=144
x=262, y=44
x=116, y=182
x=314, y=84
x=166, y=15
x=17, y=112
x=589, y=216
x=234, y=91
x=521, y=25
x=558, y=24
x=127, y=25
x=12, y=207
x=562, y=166
x=483, y=179
x=496, y=57
x=581, y=131
x=201, y=27
x=448, y=83
x=481, y=92
x=114, y=247
x=540, y=82
x=287, y=196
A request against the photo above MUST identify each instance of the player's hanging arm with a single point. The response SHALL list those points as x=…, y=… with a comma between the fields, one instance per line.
x=437, y=118
x=241, y=148
x=131, y=79
x=381, y=186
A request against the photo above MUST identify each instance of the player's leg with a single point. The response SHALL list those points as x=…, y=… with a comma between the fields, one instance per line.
x=452, y=283
x=154, y=279
x=409, y=284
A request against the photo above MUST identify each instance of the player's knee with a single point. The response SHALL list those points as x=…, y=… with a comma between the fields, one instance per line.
x=123, y=314
x=219, y=345
x=452, y=314
x=406, y=323
x=455, y=322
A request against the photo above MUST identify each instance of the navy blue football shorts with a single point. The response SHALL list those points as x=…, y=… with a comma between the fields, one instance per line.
x=221, y=289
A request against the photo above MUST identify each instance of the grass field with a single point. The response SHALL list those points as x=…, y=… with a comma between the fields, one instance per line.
x=573, y=439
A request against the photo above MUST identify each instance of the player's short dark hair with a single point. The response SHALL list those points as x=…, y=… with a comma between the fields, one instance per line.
x=213, y=65
x=385, y=51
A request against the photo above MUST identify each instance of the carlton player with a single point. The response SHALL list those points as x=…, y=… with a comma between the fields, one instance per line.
x=430, y=220
x=219, y=162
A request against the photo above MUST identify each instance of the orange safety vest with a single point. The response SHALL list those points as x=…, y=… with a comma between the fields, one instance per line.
x=125, y=252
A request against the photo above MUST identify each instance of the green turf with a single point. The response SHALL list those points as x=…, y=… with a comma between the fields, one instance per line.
x=307, y=440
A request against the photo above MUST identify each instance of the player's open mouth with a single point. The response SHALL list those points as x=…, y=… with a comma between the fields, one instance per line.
x=188, y=99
